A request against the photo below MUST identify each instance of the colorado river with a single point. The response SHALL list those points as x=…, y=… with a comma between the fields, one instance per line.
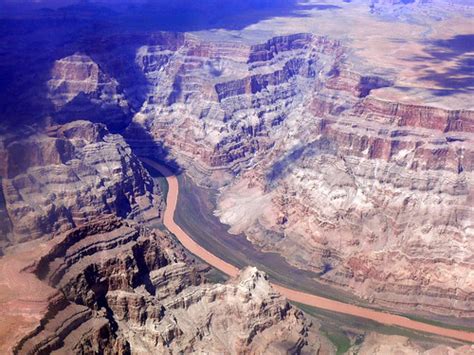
x=293, y=295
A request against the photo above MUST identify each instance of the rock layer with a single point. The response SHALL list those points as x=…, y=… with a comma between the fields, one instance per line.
x=79, y=88
x=125, y=289
x=350, y=185
x=356, y=187
x=70, y=174
x=375, y=196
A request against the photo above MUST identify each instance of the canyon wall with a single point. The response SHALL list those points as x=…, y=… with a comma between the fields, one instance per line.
x=81, y=272
x=68, y=175
x=374, y=195
x=111, y=286
x=306, y=148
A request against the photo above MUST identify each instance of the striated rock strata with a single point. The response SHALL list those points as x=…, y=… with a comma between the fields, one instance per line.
x=60, y=179
x=374, y=195
x=124, y=289
x=79, y=88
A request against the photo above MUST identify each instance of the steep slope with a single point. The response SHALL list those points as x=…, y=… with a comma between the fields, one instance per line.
x=337, y=180
x=81, y=273
x=374, y=195
x=124, y=289
x=58, y=180
x=343, y=172
x=79, y=88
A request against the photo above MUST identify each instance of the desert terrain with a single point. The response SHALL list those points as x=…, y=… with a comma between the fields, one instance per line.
x=303, y=167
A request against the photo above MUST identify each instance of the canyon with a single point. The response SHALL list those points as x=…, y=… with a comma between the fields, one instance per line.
x=354, y=169
x=293, y=295
x=310, y=164
x=112, y=287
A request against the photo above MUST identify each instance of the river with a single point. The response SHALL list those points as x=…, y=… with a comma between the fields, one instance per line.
x=293, y=295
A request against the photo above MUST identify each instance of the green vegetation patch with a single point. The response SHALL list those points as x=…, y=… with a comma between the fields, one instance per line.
x=340, y=341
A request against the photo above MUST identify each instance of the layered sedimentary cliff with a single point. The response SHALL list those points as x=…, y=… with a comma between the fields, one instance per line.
x=355, y=187
x=62, y=178
x=373, y=194
x=79, y=88
x=81, y=273
x=125, y=289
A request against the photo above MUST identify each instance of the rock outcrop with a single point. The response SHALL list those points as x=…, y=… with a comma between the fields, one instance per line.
x=58, y=180
x=124, y=289
x=80, y=276
x=78, y=88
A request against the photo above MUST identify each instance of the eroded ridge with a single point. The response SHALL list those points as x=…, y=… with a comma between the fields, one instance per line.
x=119, y=288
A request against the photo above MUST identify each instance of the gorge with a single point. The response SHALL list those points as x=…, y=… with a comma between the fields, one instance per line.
x=318, y=166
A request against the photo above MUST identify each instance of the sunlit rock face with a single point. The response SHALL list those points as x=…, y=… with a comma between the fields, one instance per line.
x=375, y=195
x=308, y=159
x=71, y=76
x=111, y=286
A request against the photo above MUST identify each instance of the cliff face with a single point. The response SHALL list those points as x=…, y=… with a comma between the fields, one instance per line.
x=79, y=88
x=356, y=187
x=81, y=273
x=58, y=180
x=124, y=289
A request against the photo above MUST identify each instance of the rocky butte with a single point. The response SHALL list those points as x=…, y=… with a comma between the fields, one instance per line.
x=300, y=150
